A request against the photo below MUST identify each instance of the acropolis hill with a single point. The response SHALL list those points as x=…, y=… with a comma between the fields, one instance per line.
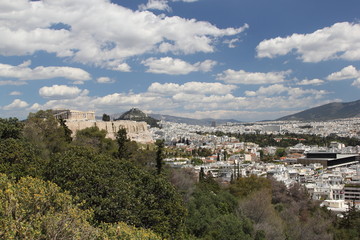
x=79, y=120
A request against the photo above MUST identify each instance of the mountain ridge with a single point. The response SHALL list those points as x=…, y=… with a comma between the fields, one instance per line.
x=330, y=111
x=136, y=114
x=192, y=121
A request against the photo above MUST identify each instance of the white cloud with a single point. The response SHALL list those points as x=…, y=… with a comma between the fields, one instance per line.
x=162, y=5
x=105, y=80
x=61, y=92
x=311, y=82
x=232, y=43
x=279, y=89
x=118, y=65
x=243, y=77
x=170, y=89
x=356, y=83
x=16, y=104
x=268, y=91
x=340, y=41
x=156, y=5
x=171, y=66
x=23, y=72
x=15, y=93
x=35, y=107
x=88, y=39
x=348, y=72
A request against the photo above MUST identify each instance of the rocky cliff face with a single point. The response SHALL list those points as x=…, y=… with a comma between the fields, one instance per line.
x=136, y=131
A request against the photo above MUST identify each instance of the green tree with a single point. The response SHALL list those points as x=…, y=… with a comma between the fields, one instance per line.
x=19, y=158
x=242, y=187
x=10, y=128
x=212, y=215
x=122, y=141
x=348, y=227
x=121, y=230
x=34, y=209
x=44, y=131
x=95, y=138
x=119, y=191
x=67, y=131
x=106, y=118
x=280, y=152
x=159, y=155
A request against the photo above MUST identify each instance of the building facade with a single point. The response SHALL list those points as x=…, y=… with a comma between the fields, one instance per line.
x=74, y=115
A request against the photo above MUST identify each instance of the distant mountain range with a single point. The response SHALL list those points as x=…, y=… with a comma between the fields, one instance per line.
x=192, y=121
x=328, y=111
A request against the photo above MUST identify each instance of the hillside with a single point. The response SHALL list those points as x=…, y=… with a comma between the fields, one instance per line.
x=327, y=112
x=137, y=115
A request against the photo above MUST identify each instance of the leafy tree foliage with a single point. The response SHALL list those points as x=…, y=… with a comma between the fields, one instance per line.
x=242, y=187
x=119, y=191
x=159, y=155
x=348, y=227
x=67, y=131
x=34, y=209
x=18, y=159
x=106, y=118
x=123, y=231
x=10, y=128
x=95, y=138
x=123, y=144
x=212, y=215
x=44, y=131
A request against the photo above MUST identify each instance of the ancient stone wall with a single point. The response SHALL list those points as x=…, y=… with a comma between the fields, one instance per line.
x=136, y=131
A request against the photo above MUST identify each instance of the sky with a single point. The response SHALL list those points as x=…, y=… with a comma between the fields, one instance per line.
x=247, y=60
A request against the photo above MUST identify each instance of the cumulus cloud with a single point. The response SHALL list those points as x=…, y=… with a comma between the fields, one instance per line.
x=61, y=92
x=16, y=104
x=105, y=80
x=243, y=77
x=339, y=41
x=27, y=28
x=170, y=89
x=356, y=83
x=280, y=89
x=24, y=72
x=162, y=5
x=156, y=5
x=171, y=66
x=311, y=82
x=349, y=72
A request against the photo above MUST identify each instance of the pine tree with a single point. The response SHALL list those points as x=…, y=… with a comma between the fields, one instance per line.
x=122, y=140
x=159, y=155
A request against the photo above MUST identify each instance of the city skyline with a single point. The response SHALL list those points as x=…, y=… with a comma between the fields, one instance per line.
x=246, y=60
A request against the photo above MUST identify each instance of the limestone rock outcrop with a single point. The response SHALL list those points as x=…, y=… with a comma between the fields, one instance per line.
x=136, y=131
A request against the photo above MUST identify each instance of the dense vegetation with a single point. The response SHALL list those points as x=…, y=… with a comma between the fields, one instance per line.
x=91, y=187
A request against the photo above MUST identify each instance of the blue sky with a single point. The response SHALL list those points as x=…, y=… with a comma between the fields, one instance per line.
x=242, y=59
